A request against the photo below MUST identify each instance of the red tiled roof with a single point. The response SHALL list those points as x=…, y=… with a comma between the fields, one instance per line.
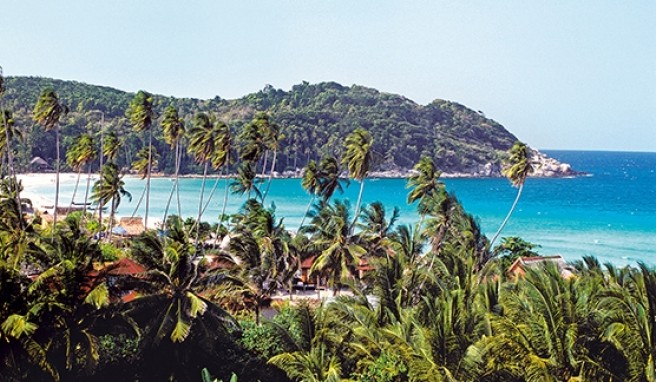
x=125, y=266
x=307, y=263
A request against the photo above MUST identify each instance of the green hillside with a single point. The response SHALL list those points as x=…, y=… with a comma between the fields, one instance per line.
x=314, y=120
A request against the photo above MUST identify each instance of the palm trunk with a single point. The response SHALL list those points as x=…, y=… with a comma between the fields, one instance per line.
x=77, y=182
x=111, y=219
x=10, y=168
x=175, y=185
x=86, y=192
x=307, y=210
x=150, y=169
x=505, y=221
x=225, y=203
x=141, y=198
x=212, y=191
x=357, y=208
x=266, y=159
x=56, y=177
x=200, y=202
x=273, y=166
x=177, y=177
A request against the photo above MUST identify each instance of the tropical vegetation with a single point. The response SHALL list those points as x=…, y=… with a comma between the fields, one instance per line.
x=432, y=301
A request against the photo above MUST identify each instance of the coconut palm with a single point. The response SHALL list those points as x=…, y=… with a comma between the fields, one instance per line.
x=8, y=132
x=110, y=187
x=204, y=139
x=272, y=138
x=424, y=182
x=329, y=180
x=357, y=157
x=252, y=144
x=180, y=325
x=174, y=129
x=245, y=181
x=257, y=254
x=48, y=112
x=19, y=351
x=83, y=152
x=146, y=160
x=540, y=334
x=70, y=300
x=312, y=361
x=519, y=168
x=310, y=182
x=339, y=251
x=172, y=286
x=142, y=115
x=111, y=146
x=628, y=313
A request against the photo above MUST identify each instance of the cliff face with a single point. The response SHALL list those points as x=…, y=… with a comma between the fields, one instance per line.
x=314, y=119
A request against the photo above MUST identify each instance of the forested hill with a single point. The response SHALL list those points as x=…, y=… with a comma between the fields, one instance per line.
x=314, y=119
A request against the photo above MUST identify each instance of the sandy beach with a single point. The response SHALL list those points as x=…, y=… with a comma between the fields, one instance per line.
x=32, y=182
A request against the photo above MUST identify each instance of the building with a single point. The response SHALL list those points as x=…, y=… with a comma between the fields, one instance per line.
x=522, y=264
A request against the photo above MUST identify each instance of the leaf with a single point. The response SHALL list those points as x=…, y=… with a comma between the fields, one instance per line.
x=98, y=297
x=181, y=331
x=198, y=306
x=17, y=326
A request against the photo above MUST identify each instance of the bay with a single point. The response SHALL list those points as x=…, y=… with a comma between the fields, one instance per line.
x=610, y=214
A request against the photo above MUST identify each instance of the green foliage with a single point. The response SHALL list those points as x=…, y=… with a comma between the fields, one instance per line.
x=109, y=251
x=119, y=348
x=313, y=121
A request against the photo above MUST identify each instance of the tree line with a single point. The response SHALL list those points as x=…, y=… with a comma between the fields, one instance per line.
x=313, y=118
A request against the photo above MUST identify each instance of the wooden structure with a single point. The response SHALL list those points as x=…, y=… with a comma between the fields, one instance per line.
x=522, y=264
x=132, y=226
x=38, y=164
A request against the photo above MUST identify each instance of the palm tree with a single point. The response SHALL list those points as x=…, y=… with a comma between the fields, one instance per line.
x=518, y=170
x=310, y=182
x=8, y=131
x=110, y=187
x=339, y=251
x=174, y=130
x=540, y=334
x=245, y=182
x=628, y=314
x=329, y=180
x=357, y=158
x=71, y=300
x=423, y=183
x=176, y=316
x=251, y=140
x=141, y=115
x=111, y=146
x=312, y=361
x=47, y=112
x=146, y=160
x=258, y=246
x=80, y=154
x=203, y=143
x=272, y=138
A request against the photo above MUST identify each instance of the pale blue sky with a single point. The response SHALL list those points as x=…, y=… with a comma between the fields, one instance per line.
x=558, y=74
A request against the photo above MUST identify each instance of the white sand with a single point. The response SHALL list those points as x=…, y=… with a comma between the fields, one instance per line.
x=33, y=181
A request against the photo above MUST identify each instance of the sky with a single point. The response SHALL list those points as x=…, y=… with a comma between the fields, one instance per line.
x=575, y=75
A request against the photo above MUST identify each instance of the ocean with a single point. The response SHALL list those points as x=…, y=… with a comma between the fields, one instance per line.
x=609, y=214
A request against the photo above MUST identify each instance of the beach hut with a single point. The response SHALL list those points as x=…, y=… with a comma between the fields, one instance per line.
x=130, y=227
x=38, y=164
x=519, y=267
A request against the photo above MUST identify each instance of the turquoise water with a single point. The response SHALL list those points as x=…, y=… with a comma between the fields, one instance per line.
x=610, y=214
